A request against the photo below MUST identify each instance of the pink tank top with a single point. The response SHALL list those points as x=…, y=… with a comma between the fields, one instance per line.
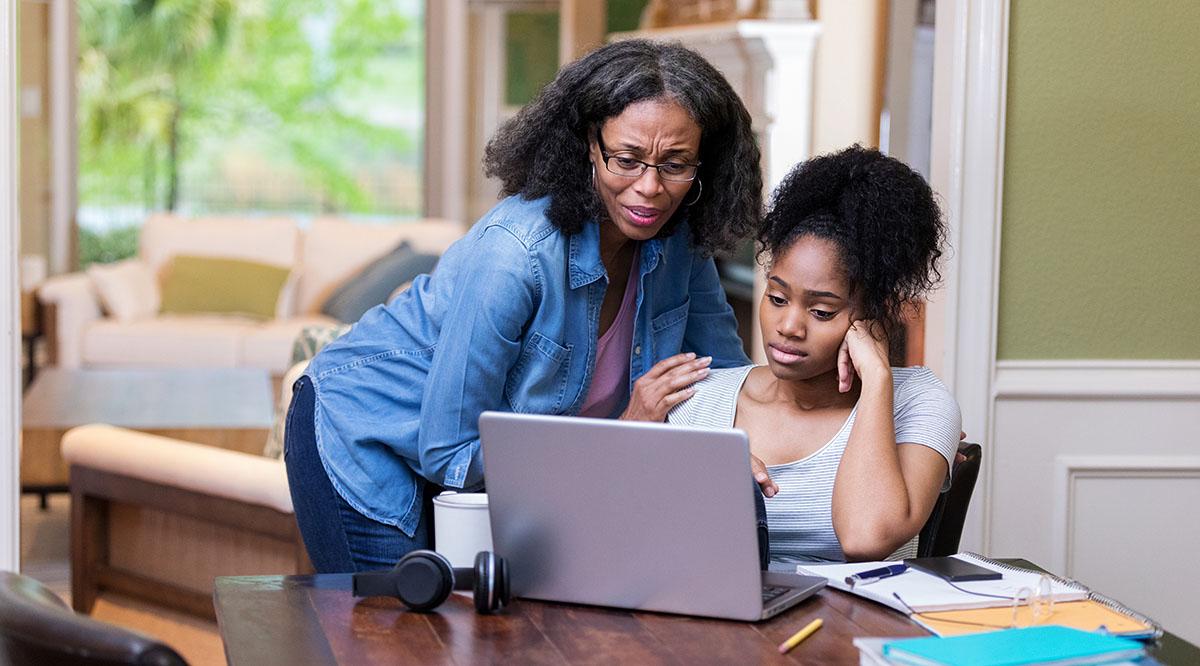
x=610, y=378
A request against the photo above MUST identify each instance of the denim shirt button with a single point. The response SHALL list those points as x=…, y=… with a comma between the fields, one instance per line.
x=637, y=351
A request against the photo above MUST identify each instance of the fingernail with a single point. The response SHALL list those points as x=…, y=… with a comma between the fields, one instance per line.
x=770, y=492
x=706, y=360
x=691, y=355
x=702, y=372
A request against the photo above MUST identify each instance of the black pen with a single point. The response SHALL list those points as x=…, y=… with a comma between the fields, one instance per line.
x=864, y=577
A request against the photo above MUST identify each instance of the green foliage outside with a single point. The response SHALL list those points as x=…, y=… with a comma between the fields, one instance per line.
x=208, y=105
x=107, y=246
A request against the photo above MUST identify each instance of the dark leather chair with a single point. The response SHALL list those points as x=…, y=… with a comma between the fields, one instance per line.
x=36, y=627
x=944, y=527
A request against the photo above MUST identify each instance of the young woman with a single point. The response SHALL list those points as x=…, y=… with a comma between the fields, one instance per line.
x=850, y=452
x=590, y=289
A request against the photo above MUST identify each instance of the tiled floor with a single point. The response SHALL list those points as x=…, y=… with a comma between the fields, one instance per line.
x=45, y=555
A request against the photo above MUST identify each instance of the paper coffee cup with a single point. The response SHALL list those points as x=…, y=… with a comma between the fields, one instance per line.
x=461, y=526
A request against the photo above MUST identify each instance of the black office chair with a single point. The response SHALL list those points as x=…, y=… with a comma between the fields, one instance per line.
x=36, y=627
x=942, y=531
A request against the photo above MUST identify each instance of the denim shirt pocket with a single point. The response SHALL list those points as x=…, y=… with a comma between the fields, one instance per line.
x=538, y=382
x=667, y=330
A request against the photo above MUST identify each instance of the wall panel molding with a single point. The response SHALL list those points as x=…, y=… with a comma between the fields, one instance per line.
x=1070, y=469
x=1092, y=379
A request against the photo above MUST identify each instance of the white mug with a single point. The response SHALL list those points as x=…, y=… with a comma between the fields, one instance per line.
x=461, y=526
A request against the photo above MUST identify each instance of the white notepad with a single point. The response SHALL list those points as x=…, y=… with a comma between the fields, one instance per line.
x=924, y=592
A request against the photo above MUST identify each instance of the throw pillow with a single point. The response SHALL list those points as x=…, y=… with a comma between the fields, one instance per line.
x=310, y=341
x=127, y=289
x=285, y=307
x=222, y=286
x=374, y=283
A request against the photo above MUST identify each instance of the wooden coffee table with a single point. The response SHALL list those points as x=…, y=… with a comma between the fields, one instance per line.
x=225, y=407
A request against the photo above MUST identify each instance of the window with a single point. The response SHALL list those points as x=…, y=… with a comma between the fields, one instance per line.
x=255, y=107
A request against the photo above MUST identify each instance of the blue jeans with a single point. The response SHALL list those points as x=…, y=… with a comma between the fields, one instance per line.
x=338, y=538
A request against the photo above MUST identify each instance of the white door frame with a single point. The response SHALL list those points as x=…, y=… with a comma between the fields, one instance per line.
x=10, y=324
x=967, y=171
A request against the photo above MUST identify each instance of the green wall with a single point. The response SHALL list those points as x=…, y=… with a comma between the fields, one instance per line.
x=1100, y=255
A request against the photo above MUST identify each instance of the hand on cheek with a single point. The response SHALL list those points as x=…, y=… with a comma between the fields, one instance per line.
x=864, y=352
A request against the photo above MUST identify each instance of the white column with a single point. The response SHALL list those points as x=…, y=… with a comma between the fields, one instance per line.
x=967, y=170
x=10, y=371
x=447, y=123
x=63, y=144
x=582, y=25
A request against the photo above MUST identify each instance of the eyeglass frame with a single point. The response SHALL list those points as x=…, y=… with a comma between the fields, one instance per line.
x=1040, y=602
x=645, y=165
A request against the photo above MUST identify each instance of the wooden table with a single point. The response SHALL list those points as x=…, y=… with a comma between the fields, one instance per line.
x=314, y=620
x=226, y=407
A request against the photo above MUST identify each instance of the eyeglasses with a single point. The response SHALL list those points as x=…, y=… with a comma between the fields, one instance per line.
x=628, y=167
x=1030, y=606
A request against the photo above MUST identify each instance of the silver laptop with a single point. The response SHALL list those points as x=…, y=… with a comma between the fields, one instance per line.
x=630, y=514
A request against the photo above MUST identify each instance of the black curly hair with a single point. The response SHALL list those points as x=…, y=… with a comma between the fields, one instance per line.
x=880, y=214
x=543, y=150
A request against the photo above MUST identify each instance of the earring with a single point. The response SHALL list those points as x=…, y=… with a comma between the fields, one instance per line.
x=698, y=193
x=593, y=173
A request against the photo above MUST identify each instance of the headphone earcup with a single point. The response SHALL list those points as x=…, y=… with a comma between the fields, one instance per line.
x=491, y=582
x=424, y=579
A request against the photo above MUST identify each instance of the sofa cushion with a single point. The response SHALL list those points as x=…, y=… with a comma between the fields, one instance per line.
x=334, y=250
x=222, y=286
x=234, y=475
x=269, y=345
x=127, y=289
x=268, y=240
x=168, y=341
x=374, y=284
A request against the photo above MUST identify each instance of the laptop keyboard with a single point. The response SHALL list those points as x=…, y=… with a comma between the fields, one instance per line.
x=772, y=593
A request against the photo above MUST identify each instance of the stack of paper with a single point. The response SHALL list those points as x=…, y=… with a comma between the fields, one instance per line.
x=923, y=592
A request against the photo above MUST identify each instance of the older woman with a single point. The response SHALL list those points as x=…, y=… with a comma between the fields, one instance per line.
x=588, y=290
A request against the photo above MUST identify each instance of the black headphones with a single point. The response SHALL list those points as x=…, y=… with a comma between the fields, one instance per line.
x=423, y=579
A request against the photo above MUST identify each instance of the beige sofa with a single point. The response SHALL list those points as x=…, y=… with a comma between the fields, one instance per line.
x=158, y=519
x=321, y=257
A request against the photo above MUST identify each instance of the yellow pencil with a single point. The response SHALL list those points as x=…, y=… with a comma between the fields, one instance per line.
x=800, y=635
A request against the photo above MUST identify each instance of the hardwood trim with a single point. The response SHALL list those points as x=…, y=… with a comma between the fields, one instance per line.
x=163, y=593
x=232, y=513
x=89, y=547
x=50, y=332
x=92, y=494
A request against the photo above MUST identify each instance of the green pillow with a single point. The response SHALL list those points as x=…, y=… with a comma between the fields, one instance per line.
x=222, y=286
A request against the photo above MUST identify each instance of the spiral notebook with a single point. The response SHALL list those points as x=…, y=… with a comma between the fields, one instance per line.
x=944, y=610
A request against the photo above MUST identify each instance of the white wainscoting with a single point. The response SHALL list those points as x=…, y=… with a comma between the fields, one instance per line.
x=1095, y=474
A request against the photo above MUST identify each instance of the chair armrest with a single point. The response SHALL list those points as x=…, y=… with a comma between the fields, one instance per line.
x=218, y=472
x=73, y=302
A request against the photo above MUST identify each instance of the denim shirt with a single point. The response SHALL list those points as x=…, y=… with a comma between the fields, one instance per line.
x=508, y=321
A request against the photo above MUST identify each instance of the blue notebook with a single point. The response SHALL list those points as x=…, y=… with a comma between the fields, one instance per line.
x=1012, y=647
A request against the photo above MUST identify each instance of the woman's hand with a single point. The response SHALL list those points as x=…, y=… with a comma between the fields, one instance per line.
x=762, y=476
x=864, y=352
x=667, y=384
